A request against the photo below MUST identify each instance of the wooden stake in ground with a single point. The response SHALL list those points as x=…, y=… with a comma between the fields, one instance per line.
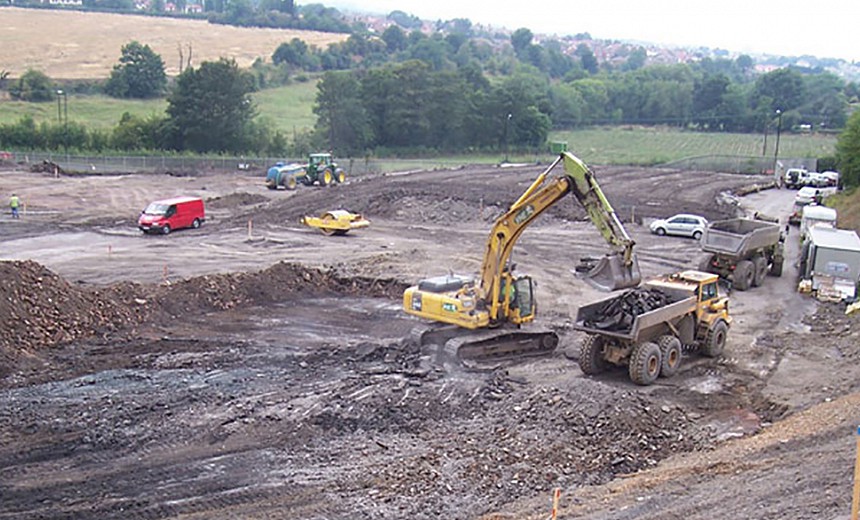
x=855, y=504
x=556, y=494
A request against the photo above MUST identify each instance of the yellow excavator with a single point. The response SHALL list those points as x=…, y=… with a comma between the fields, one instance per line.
x=476, y=321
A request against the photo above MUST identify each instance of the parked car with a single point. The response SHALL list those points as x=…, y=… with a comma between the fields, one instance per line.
x=164, y=216
x=681, y=225
x=832, y=177
x=796, y=177
x=807, y=195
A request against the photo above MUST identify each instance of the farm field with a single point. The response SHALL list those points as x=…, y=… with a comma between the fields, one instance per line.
x=657, y=145
x=85, y=45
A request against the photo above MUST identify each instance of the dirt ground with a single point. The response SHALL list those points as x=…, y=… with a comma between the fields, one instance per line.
x=255, y=368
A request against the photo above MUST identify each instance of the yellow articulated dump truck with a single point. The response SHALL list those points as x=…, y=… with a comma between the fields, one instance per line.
x=649, y=328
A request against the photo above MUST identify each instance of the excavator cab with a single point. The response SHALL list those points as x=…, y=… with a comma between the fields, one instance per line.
x=524, y=301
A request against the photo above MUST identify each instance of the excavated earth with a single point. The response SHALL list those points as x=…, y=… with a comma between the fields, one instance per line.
x=255, y=368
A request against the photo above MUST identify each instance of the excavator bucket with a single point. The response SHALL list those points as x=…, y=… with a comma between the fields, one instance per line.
x=610, y=272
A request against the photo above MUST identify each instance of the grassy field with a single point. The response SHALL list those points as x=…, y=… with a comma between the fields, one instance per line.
x=290, y=110
x=847, y=205
x=648, y=145
x=287, y=109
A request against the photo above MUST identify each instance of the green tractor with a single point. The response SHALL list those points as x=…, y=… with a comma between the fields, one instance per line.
x=320, y=170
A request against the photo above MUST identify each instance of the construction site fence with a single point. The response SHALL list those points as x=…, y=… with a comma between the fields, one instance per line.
x=358, y=166
x=750, y=165
x=132, y=164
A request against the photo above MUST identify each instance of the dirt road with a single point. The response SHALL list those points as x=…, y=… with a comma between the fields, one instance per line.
x=261, y=370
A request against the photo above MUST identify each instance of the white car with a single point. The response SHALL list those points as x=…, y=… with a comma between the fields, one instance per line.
x=681, y=225
x=806, y=195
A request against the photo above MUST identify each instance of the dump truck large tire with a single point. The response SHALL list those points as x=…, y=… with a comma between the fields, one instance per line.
x=759, y=270
x=776, y=267
x=591, y=360
x=716, y=340
x=743, y=275
x=671, y=353
x=645, y=363
x=705, y=264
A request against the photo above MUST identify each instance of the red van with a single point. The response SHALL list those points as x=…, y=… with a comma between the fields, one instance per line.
x=164, y=216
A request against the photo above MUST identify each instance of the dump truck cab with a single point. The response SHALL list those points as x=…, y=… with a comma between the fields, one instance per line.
x=710, y=306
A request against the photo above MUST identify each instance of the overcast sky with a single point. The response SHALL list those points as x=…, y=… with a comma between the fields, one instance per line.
x=824, y=28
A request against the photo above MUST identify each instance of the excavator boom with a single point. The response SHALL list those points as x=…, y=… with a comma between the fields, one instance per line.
x=472, y=312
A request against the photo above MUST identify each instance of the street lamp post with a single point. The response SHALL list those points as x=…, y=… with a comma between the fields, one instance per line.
x=776, y=148
x=65, y=117
x=59, y=112
x=507, y=146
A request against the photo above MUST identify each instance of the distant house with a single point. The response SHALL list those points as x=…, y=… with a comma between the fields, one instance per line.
x=194, y=8
x=65, y=2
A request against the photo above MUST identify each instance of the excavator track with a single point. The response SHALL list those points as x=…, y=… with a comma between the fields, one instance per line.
x=476, y=349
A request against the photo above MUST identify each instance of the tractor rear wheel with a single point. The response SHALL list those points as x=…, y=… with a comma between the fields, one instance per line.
x=339, y=176
x=325, y=177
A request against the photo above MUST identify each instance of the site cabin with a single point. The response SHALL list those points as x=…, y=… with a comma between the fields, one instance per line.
x=164, y=216
x=814, y=215
x=830, y=259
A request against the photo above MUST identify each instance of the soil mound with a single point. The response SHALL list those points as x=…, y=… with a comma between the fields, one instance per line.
x=39, y=309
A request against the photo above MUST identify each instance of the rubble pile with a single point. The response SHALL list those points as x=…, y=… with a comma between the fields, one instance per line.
x=619, y=313
x=40, y=309
x=46, y=166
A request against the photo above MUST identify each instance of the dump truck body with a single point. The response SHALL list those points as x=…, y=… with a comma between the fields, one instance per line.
x=645, y=326
x=743, y=251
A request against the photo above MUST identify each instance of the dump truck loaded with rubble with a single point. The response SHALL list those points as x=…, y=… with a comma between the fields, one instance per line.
x=649, y=328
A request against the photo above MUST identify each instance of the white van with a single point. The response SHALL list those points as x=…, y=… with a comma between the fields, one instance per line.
x=796, y=177
x=814, y=215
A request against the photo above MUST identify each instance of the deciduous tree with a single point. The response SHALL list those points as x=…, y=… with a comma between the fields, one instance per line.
x=848, y=151
x=139, y=74
x=210, y=108
x=33, y=85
